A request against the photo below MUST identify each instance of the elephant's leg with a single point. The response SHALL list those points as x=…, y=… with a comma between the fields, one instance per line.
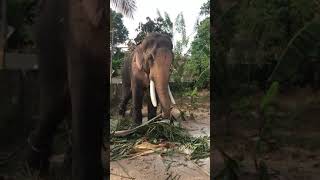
x=152, y=111
x=126, y=96
x=126, y=86
x=137, y=100
x=88, y=89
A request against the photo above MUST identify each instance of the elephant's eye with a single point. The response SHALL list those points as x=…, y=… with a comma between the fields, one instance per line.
x=150, y=61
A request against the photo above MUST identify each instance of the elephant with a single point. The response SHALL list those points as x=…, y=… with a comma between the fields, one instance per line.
x=71, y=36
x=149, y=66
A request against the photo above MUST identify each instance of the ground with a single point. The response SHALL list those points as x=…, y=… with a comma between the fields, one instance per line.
x=294, y=148
x=175, y=166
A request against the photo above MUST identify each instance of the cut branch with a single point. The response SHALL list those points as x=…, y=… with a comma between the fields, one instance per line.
x=123, y=133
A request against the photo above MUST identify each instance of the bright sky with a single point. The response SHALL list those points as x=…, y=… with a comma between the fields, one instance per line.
x=145, y=8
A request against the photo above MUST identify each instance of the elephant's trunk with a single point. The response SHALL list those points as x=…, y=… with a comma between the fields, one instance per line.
x=162, y=88
x=160, y=74
x=163, y=92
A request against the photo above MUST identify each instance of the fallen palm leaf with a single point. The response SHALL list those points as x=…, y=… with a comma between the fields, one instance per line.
x=142, y=154
x=130, y=131
x=146, y=146
x=157, y=136
x=126, y=177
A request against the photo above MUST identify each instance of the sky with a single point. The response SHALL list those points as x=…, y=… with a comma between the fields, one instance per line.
x=145, y=8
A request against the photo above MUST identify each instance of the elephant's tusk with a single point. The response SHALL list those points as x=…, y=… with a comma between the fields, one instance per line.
x=171, y=97
x=153, y=94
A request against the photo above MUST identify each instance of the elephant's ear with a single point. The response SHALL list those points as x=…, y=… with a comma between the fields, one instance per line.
x=138, y=57
x=95, y=10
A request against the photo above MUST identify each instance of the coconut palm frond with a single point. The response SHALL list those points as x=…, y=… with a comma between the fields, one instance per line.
x=127, y=7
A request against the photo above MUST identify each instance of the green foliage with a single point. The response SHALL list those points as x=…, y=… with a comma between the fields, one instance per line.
x=180, y=59
x=205, y=8
x=117, y=59
x=194, y=64
x=181, y=29
x=121, y=148
x=119, y=35
x=127, y=7
x=119, y=31
x=162, y=130
x=201, y=148
x=159, y=24
x=199, y=64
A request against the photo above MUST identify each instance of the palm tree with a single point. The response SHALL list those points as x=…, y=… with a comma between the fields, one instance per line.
x=127, y=7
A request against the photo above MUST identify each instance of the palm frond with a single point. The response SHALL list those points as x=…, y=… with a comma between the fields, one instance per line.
x=127, y=7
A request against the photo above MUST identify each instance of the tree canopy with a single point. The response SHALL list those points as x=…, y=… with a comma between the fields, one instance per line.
x=127, y=7
x=119, y=31
x=199, y=63
x=159, y=24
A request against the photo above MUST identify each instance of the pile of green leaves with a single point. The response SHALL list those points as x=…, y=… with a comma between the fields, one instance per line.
x=163, y=130
x=200, y=147
x=122, y=147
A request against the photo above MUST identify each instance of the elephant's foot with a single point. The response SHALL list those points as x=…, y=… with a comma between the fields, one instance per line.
x=137, y=122
x=151, y=115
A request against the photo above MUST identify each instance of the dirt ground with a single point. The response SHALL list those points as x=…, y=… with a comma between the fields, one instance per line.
x=295, y=151
x=157, y=167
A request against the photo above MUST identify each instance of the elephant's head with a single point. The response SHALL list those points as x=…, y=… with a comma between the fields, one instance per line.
x=154, y=57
